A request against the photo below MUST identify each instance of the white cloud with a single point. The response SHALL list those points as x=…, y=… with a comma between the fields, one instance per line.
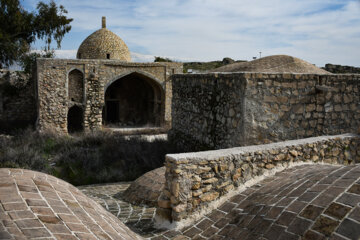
x=67, y=54
x=319, y=31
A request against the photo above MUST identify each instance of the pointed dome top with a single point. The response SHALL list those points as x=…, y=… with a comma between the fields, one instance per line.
x=103, y=44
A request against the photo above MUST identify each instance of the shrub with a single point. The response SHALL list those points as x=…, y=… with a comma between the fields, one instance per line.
x=96, y=157
x=110, y=158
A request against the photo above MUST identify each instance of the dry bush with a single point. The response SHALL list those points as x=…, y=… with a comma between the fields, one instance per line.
x=95, y=157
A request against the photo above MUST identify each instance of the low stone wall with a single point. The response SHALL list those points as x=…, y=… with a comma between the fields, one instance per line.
x=333, y=68
x=194, y=181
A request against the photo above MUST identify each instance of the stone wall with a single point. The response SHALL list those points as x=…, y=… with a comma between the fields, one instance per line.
x=257, y=108
x=341, y=69
x=208, y=109
x=52, y=87
x=17, y=101
x=196, y=180
x=293, y=106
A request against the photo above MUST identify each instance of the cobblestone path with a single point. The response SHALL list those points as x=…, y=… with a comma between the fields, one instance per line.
x=303, y=202
x=139, y=218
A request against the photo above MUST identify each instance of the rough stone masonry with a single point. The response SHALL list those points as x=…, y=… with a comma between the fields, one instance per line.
x=221, y=110
x=53, y=92
x=196, y=180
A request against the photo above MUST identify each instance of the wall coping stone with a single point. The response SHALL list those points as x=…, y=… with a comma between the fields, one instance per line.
x=268, y=73
x=212, y=154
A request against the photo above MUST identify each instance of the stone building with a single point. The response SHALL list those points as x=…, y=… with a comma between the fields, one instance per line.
x=102, y=87
x=223, y=110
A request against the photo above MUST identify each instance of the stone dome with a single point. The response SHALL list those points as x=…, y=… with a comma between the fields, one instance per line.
x=273, y=64
x=146, y=189
x=103, y=44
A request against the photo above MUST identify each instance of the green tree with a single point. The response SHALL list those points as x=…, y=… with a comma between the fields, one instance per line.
x=161, y=59
x=20, y=28
x=27, y=61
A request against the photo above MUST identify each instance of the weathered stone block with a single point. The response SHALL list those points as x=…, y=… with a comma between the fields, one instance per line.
x=180, y=208
x=210, y=196
x=310, y=107
x=223, y=184
x=196, y=185
x=202, y=170
x=175, y=188
x=164, y=203
x=280, y=157
x=269, y=166
x=209, y=181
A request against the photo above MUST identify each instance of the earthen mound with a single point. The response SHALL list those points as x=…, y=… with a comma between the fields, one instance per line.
x=146, y=189
x=36, y=205
x=273, y=64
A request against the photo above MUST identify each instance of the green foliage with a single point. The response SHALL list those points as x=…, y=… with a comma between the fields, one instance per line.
x=27, y=61
x=109, y=158
x=202, y=66
x=205, y=66
x=20, y=152
x=8, y=89
x=20, y=28
x=160, y=59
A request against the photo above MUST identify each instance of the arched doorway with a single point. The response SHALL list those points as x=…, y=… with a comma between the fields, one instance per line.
x=75, y=119
x=76, y=86
x=134, y=101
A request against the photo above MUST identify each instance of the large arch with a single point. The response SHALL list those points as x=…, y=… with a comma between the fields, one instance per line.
x=139, y=72
x=75, y=119
x=76, y=86
x=134, y=100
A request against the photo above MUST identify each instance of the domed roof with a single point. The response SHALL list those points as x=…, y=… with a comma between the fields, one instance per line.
x=273, y=64
x=103, y=44
x=53, y=208
x=146, y=189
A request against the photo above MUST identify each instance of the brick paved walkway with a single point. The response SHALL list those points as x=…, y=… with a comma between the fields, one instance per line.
x=140, y=219
x=309, y=201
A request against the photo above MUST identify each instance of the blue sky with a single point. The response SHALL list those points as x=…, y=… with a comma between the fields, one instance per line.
x=318, y=31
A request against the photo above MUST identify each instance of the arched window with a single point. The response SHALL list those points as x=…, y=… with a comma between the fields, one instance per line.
x=134, y=101
x=76, y=86
x=75, y=119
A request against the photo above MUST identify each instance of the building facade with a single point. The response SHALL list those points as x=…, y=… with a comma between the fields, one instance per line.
x=103, y=88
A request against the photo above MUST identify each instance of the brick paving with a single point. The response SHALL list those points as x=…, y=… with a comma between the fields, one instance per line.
x=303, y=202
x=140, y=219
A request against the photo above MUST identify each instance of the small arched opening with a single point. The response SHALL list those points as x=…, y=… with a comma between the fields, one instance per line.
x=134, y=100
x=75, y=119
x=76, y=86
